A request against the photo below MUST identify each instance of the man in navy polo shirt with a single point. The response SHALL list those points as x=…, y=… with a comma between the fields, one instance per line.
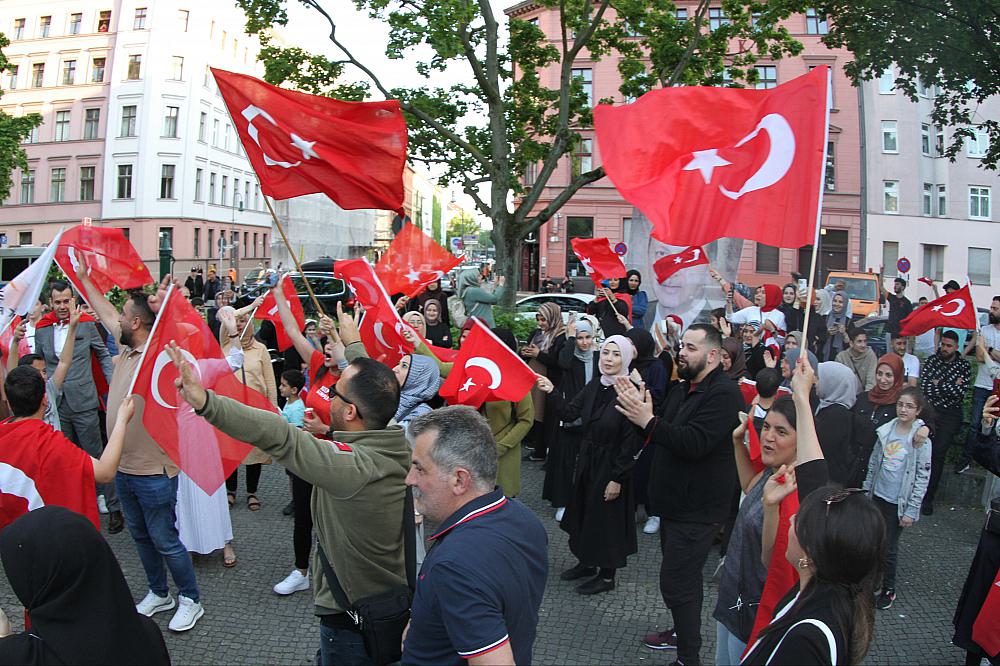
x=481, y=584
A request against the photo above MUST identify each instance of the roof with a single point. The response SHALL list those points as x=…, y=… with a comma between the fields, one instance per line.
x=522, y=8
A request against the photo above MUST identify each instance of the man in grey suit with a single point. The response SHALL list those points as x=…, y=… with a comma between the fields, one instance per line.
x=79, y=402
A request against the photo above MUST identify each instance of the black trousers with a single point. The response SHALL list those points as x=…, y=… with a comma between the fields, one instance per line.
x=947, y=424
x=685, y=548
x=253, y=479
x=890, y=513
x=303, y=521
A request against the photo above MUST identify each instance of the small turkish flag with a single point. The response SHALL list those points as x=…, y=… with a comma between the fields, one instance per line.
x=413, y=261
x=360, y=277
x=105, y=253
x=686, y=258
x=268, y=311
x=381, y=328
x=206, y=454
x=926, y=280
x=486, y=370
x=598, y=258
x=353, y=152
x=954, y=310
x=703, y=163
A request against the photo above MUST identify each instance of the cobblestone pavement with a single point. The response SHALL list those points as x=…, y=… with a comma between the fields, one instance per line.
x=245, y=622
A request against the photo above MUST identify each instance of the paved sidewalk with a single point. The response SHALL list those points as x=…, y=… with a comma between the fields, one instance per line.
x=245, y=622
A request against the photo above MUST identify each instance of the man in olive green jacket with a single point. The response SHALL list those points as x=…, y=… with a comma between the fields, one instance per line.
x=358, y=478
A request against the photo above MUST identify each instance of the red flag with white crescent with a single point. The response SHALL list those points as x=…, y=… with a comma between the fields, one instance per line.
x=597, y=257
x=686, y=258
x=108, y=257
x=954, y=310
x=380, y=328
x=486, y=370
x=413, y=261
x=268, y=311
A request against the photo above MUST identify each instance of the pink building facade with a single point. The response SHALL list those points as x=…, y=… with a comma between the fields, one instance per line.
x=598, y=210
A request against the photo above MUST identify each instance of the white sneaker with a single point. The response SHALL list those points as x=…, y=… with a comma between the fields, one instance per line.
x=188, y=613
x=559, y=513
x=102, y=504
x=295, y=582
x=652, y=525
x=152, y=604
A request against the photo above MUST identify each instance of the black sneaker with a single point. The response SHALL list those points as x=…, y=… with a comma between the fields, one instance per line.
x=885, y=599
x=579, y=571
x=116, y=522
x=596, y=585
x=927, y=509
x=661, y=640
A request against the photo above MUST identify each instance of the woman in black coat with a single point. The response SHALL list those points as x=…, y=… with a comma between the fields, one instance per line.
x=600, y=516
x=542, y=356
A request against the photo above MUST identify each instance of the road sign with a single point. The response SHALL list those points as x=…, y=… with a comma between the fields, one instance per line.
x=470, y=241
x=87, y=221
x=903, y=265
x=621, y=249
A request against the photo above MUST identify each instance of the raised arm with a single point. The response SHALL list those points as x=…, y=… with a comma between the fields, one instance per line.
x=106, y=466
x=15, y=342
x=299, y=341
x=806, y=441
x=102, y=307
x=744, y=467
x=66, y=356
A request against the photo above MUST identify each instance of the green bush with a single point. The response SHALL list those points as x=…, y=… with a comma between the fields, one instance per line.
x=522, y=328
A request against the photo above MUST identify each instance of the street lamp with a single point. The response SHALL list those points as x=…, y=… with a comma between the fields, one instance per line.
x=234, y=249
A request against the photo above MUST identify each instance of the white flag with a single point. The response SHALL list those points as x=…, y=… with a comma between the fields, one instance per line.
x=21, y=293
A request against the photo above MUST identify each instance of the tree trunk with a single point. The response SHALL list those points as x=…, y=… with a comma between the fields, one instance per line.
x=508, y=255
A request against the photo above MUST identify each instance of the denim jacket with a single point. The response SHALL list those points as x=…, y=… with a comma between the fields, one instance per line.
x=916, y=475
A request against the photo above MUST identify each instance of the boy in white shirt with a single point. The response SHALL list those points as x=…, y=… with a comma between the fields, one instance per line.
x=911, y=364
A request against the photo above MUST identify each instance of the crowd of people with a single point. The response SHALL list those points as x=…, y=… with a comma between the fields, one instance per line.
x=772, y=433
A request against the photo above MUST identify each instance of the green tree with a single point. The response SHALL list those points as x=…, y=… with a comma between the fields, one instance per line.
x=461, y=225
x=13, y=131
x=950, y=47
x=436, y=219
x=526, y=122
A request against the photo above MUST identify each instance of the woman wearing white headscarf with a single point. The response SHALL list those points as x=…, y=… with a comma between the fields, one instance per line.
x=600, y=516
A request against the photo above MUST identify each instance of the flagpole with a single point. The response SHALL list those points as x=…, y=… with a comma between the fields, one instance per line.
x=819, y=217
x=145, y=349
x=291, y=253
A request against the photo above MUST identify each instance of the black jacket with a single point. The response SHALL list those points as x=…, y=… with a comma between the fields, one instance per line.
x=847, y=440
x=694, y=472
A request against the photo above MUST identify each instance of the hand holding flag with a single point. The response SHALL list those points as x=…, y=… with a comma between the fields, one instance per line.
x=598, y=259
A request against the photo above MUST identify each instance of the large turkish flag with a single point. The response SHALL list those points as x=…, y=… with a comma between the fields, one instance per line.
x=108, y=257
x=353, y=152
x=954, y=310
x=705, y=163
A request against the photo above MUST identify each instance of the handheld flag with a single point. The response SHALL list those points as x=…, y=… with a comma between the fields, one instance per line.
x=486, y=370
x=268, y=311
x=109, y=258
x=598, y=258
x=19, y=295
x=413, y=261
x=954, y=310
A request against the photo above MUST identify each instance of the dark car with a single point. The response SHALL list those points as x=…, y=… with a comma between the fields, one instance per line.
x=329, y=291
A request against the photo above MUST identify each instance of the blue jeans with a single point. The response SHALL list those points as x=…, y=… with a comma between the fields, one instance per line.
x=979, y=396
x=341, y=647
x=149, y=504
x=728, y=648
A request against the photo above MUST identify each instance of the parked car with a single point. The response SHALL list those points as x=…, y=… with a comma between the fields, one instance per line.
x=527, y=307
x=329, y=291
x=252, y=277
x=864, y=290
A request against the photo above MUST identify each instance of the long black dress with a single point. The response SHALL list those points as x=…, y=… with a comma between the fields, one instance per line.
x=546, y=430
x=602, y=533
x=564, y=441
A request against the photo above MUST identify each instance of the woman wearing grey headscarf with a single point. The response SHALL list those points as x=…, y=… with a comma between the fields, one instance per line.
x=837, y=323
x=846, y=440
x=578, y=361
x=477, y=301
x=419, y=380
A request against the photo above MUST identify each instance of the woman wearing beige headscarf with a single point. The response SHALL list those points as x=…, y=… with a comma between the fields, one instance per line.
x=542, y=354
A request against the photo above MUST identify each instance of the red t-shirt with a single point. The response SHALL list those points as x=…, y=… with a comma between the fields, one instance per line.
x=318, y=397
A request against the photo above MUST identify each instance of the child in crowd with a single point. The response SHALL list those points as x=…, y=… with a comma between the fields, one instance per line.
x=294, y=411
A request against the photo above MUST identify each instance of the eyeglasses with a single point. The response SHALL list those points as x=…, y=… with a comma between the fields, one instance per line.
x=333, y=389
x=839, y=496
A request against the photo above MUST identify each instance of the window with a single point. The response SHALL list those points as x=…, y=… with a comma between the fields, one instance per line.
x=530, y=173
x=236, y=193
x=939, y=142
x=887, y=82
x=211, y=242
x=890, y=190
x=75, y=20
x=97, y=70
x=167, y=181
x=128, y=120
x=182, y=19
x=890, y=257
x=229, y=131
x=140, y=19
x=211, y=188
x=62, y=126
x=24, y=238
x=889, y=137
x=979, y=203
x=831, y=167
x=682, y=14
x=927, y=200
x=246, y=193
x=124, y=181
x=170, y=121
x=198, y=176
x=44, y=25
x=134, y=67
x=91, y=123
x=933, y=262
x=208, y=76
x=32, y=135
x=28, y=187
x=716, y=18
x=225, y=190
x=767, y=258
x=925, y=139
x=12, y=77
x=37, y=74
x=246, y=237
x=254, y=249
x=576, y=227
x=57, y=185
x=197, y=242
x=202, y=121
x=215, y=132
x=583, y=156
x=19, y=28
x=69, y=73
x=256, y=196
x=942, y=198
x=979, y=265
x=978, y=143
x=87, y=183
x=586, y=77
x=177, y=68
x=104, y=21
x=767, y=77
x=223, y=40
x=922, y=88
x=816, y=23
x=263, y=245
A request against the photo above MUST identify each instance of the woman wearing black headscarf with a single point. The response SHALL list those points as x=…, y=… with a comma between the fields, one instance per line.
x=640, y=301
x=79, y=605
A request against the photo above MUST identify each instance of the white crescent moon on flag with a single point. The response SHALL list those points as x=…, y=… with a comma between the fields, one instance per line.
x=779, y=157
x=370, y=289
x=378, y=335
x=252, y=112
x=15, y=482
x=958, y=310
x=489, y=366
x=162, y=360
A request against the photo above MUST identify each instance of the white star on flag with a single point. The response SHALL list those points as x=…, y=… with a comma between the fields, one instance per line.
x=467, y=385
x=305, y=146
x=705, y=161
x=413, y=276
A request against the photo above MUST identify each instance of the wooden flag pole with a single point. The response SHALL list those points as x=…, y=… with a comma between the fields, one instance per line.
x=295, y=258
